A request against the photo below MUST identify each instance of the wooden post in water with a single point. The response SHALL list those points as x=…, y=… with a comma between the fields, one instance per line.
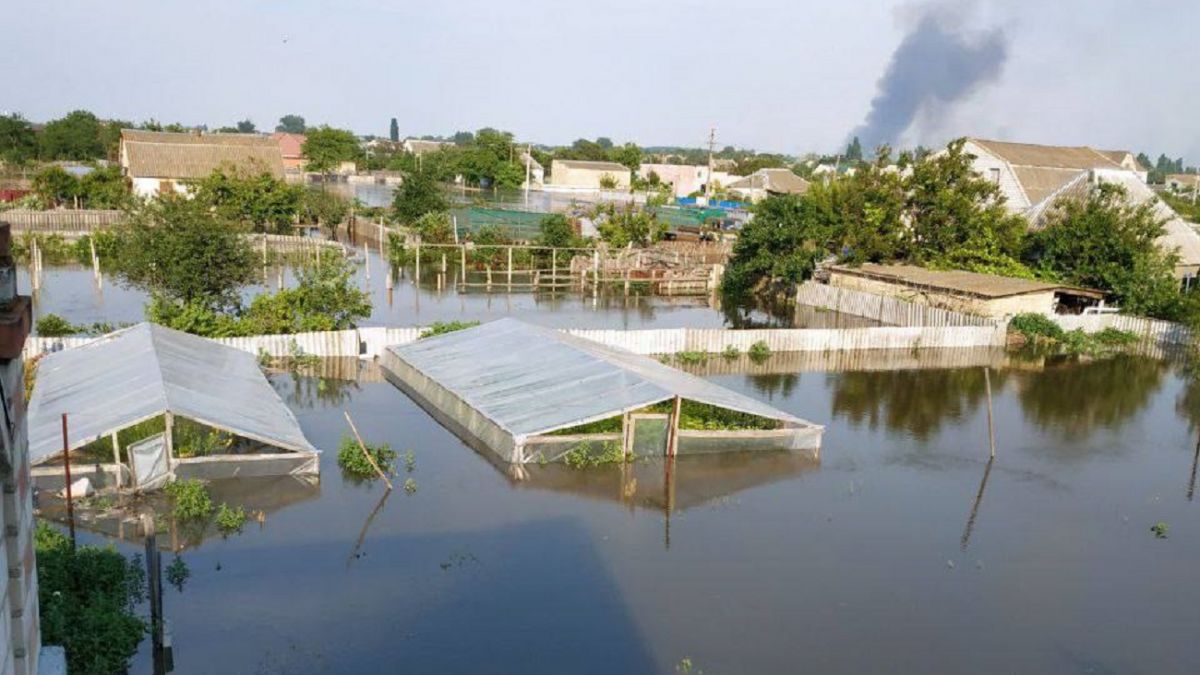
x=673, y=430
x=554, y=265
x=510, y=268
x=67, y=475
x=117, y=459
x=463, y=262
x=154, y=581
x=443, y=264
x=595, y=273
x=417, y=273
x=367, y=453
x=987, y=383
x=489, y=278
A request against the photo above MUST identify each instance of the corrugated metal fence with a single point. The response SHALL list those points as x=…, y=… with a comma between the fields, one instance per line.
x=884, y=309
x=61, y=221
x=1153, y=331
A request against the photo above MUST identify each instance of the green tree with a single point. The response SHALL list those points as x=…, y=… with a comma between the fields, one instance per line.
x=324, y=208
x=326, y=147
x=622, y=226
x=1103, y=241
x=18, y=144
x=104, y=188
x=180, y=250
x=291, y=124
x=557, y=230
x=325, y=298
x=863, y=214
x=246, y=127
x=854, y=151
x=55, y=187
x=629, y=154
x=256, y=199
x=418, y=195
x=77, y=136
x=784, y=240
x=394, y=131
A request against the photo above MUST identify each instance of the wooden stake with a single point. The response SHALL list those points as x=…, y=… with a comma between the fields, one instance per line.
x=67, y=473
x=987, y=383
x=673, y=430
x=366, y=452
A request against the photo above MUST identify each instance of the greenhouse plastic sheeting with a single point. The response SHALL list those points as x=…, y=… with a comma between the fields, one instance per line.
x=528, y=380
x=144, y=371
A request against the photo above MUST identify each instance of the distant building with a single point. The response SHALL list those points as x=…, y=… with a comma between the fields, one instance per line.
x=969, y=292
x=419, y=147
x=587, y=175
x=1033, y=177
x=764, y=182
x=684, y=179
x=291, y=150
x=156, y=162
x=535, y=171
x=1183, y=181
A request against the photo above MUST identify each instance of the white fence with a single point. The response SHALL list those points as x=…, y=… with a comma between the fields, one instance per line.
x=369, y=342
x=1154, y=331
x=884, y=309
x=60, y=220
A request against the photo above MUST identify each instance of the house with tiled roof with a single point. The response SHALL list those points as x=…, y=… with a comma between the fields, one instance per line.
x=766, y=182
x=156, y=162
x=1033, y=177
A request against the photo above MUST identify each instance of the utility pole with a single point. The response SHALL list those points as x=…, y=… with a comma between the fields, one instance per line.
x=712, y=139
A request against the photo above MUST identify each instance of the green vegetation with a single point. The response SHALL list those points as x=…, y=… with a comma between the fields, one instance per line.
x=691, y=358
x=257, y=200
x=410, y=461
x=193, y=439
x=759, y=352
x=692, y=416
x=325, y=148
x=355, y=463
x=177, y=573
x=87, y=600
x=326, y=209
x=1160, y=530
x=191, y=499
x=443, y=327
x=1040, y=331
x=621, y=226
x=582, y=456
x=291, y=124
x=410, y=486
x=730, y=353
x=230, y=520
x=419, y=195
x=558, y=231
x=18, y=143
x=1034, y=326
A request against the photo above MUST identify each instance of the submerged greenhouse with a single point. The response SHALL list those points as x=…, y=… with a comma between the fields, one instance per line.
x=147, y=403
x=533, y=394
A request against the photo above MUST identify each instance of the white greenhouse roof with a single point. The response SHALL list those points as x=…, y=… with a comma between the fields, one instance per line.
x=531, y=380
x=141, y=372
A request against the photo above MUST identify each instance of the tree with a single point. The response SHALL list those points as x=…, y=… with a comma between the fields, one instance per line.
x=324, y=208
x=54, y=186
x=184, y=253
x=256, y=199
x=291, y=124
x=18, y=144
x=77, y=136
x=854, y=151
x=557, y=231
x=628, y=225
x=418, y=195
x=325, y=298
x=394, y=131
x=1103, y=241
x=104, y=188
x=246, y=127
x=326, y=147
x=629, y=155
x=784, y=240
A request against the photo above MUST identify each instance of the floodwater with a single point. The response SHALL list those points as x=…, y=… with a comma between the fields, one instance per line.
x=71, y=291
x=901, y=550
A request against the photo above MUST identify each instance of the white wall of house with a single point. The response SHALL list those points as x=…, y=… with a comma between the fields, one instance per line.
x=993, y=168
x=151, y=187
x=563, y=174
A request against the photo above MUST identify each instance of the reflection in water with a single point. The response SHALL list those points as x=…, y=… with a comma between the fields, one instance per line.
x=1075, y=398
x=966, y=537
x=919, y=402
x=301, y=391
x=357, y=552
x=775, y=384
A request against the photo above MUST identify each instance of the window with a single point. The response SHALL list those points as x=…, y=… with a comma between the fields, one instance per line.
x=994, y=175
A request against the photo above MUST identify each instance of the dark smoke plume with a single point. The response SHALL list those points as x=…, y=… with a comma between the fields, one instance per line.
x=935, y=64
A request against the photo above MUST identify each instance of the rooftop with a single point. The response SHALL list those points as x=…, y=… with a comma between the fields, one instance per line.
x=153, y=154
x=988, y=286
x=1048, y=156
x=591, y=165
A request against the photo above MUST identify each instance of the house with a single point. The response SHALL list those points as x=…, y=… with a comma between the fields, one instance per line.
x=419, y=147
x=534, y=170
x=1033, y=177
x=588, y=175
x=291, y=150
x=684, y=179
x=1183, y=181
x=969, y=292
x=764, y=182
x=157, y=162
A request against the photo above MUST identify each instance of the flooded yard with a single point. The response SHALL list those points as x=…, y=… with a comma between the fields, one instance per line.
x=900, y=550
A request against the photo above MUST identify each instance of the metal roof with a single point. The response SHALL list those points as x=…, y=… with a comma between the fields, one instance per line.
x=1047, y=156
x=590, y=165
x=531, y=380
x=139, y=373
x=988, y=286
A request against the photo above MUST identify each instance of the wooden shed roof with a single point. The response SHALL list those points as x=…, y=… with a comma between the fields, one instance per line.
x=989, y=286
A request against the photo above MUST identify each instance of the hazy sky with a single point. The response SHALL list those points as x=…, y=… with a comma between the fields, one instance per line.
x=790, y=76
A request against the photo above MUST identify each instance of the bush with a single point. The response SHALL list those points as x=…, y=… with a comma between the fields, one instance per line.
x=443, y=327
x=1034, y=326
x=583, y=457
x=229, y=519
x=355, y=463
x=87, y=599
x=192, y=502
x=759, y=351
x=53, y=325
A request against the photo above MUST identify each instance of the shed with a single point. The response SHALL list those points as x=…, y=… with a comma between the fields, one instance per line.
x=158, y=384
x=970, y=292
x=513, y=389
x=589, y=175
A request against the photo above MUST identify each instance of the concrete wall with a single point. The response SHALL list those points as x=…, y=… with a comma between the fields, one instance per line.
x=563, y=175
x=19, y=629
x=684, y=178
x=1041, y=302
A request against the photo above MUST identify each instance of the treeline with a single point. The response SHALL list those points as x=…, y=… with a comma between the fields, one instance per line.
x=935, y=211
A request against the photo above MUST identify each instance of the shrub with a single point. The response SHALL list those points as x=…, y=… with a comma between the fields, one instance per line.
x=759, y=351
x=583, y=457
x=410, y=486
x=53, y=325
x=192, y=502
x=443, y=327
x=1033, y=326
x=87, y=600
x=730, y=353
x=355, y=463
x=229, y=519
x=691, y=358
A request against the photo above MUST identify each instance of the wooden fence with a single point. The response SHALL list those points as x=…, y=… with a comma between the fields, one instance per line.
x=370, y=342
x=886, y=310
x=60, y=221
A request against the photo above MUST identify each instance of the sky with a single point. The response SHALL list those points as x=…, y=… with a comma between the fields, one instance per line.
x=784, y=76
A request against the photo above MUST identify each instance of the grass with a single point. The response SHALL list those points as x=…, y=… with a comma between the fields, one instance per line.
x=355, y=463
x=443, y=327
x=582, y=456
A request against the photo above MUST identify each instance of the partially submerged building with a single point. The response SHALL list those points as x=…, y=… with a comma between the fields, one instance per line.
x=766, y=182
x=970, y=292
x=163, y=162
x=147, y=403
x=588, y=175
x=526, y=393
x=1033, y=178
